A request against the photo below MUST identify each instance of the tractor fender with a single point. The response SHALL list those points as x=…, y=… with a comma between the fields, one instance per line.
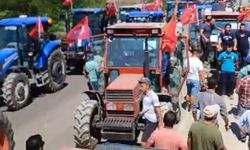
x=47, y=50
x=94, y=95
x=7, y=64
x=19, y=69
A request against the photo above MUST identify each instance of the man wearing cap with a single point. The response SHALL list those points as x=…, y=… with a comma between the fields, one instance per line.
x=204, y=135
x=151, y=110
x=243, y=88
x=242, y=36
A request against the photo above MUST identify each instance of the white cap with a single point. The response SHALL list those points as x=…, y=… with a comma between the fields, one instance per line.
x=211, y=110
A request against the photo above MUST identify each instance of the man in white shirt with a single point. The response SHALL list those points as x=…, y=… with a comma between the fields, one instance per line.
x=151, y=110
x=195, y=77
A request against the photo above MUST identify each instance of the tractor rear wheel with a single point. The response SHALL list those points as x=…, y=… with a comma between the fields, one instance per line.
x=86, y=135
x=16, y=90
x=6, y=133
x=56, y=70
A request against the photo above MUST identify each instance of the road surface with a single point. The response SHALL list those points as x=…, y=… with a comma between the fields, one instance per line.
x=52, y=115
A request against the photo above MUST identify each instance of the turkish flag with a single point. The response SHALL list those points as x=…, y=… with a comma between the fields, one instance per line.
x=37, y=29
x=244, y=16
x=169, y=39
x=68, y=2
x=190, y=15
x=80, y=32
x=157, y=5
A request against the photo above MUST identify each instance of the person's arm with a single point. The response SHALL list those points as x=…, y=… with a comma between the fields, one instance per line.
x=196, y=107
x=224, y=114
x=202, y=73
x=219, y=46
x=159, y=115
x=236, y=62
x=156, y=104
x=203, y=35
x=219, y=59
x=235, y=43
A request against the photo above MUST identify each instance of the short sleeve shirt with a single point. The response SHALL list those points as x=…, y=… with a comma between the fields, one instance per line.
x=207, y=29
x=195, y=65
x=227, y=39
x=242, y=41
x=167, y=139
x=92, y=67
x=205, y=137
x=150, y=101
x=228, y=61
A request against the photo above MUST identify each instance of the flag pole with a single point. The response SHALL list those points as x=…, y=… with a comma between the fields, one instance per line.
x=39, y=27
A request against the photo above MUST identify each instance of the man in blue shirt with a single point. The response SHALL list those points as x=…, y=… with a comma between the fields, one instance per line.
x=228, y=61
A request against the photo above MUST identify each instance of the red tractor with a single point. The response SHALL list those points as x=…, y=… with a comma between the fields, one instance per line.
x=132, y=50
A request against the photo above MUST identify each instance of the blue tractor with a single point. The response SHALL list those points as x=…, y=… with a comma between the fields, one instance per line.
x=25, y=62
x=145, y=16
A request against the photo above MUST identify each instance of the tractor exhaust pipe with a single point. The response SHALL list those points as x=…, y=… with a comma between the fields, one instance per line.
x=146, y=60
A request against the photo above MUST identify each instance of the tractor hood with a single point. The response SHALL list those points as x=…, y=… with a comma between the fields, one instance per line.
x=5, y=53
x=125, y=82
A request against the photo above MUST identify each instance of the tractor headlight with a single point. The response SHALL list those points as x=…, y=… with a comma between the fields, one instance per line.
x=128, y=107
x=110, y=31
x=50, y=21
x=111, y=106
x=155, y=31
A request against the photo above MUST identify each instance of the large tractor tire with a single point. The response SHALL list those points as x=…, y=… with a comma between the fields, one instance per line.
x=6, y=133
x=56, y=70
x=16, y=90
x=85, y=134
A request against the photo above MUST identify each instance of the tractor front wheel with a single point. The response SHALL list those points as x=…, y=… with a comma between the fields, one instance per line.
x=6, y=133
x=16, y=90
x=56, y=70
x=86, y=135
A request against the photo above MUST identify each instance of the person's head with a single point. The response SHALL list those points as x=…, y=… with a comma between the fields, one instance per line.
x=208, y=18
x=196, y=52
x=173, y=61
x=35, y=142
x=222, y=2
x=169, y=119
x=90, y=56
x=228, y=27
x=212, y=83
x=145, y=84
x=210, y=112
x=229, y=48
x=242, y=27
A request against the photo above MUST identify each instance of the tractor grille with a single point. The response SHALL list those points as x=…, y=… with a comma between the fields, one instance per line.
x=119, y=95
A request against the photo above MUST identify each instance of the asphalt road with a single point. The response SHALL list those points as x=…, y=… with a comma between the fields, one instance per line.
x=52, y=115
